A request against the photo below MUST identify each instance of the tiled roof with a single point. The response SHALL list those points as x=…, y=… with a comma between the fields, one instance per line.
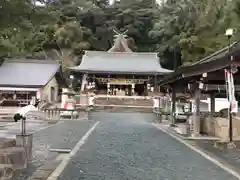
x=27, y=72
x=120, y=63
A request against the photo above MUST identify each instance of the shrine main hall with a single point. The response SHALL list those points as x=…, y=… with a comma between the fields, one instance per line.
x=119, y=70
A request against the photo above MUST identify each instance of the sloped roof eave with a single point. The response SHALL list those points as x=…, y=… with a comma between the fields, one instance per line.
x=158, y=72
x=213, y=62
x=112, y=62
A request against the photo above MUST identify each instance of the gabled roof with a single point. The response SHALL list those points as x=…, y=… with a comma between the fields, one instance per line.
x=216, y=61
x=120, y=60
x=120, y=63
x=26, y=72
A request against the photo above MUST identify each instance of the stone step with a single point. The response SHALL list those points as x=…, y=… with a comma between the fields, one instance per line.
x=7, y=143
x=14, y=156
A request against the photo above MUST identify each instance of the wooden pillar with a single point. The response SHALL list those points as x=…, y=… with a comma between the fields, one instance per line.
x=196, y=115
x=133, y=89
x=212, y=103
x=108, y=89
x=173, y=113
x=155, y=83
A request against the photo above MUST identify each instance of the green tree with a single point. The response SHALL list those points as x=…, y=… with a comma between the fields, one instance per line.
x=196, y=26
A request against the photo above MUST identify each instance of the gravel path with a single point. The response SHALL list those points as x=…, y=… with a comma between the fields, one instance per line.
x=125, y=146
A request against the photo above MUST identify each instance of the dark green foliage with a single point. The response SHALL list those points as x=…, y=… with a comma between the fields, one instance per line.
x=185, y=30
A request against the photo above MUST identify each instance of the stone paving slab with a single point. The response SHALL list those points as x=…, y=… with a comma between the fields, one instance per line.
x=12, y=130
x=128, y=147
x=45, y=171
x=64, y=134
x=230, y=156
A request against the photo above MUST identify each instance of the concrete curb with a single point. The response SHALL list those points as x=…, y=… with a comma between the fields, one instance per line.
x=207, y=155
x=45, y=171
x=171, y=130
x=60, y=168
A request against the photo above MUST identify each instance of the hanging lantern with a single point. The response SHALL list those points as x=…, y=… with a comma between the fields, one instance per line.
x=148, y=86
x=201, y=85
x=234, y=69
x=204, y=75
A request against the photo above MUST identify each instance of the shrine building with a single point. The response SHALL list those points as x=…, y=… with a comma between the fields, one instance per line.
x=119, y=70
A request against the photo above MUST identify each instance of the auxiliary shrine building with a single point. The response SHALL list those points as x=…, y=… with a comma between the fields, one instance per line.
x=119, y=71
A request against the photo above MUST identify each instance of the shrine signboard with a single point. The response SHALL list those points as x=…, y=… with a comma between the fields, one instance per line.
x=121, y=81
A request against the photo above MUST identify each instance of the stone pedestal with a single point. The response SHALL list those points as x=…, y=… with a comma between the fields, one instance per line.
x=196, y=113
x=26, y=142
x=6, y=171
x=224, y=145
x=14, y=156
x=182, y=129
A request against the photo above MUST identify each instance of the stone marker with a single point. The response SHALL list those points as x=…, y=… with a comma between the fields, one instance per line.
x=26, y=142
x=14, y=156
x=6, y=171
x=5, y=143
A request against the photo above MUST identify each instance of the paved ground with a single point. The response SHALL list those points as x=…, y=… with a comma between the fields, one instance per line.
x=63, y=135
x=231, y=156
x=10, y=130
x=126, y=146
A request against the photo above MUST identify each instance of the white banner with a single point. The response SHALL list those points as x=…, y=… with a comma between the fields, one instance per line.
x=91, y=100
x=155, y=102
x=231, y=91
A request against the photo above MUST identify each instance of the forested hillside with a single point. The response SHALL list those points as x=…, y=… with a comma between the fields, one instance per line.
x=190, y=29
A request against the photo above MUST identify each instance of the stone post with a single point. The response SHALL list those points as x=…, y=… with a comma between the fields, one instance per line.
x=133, y=89
x=212, y=101
x=173, y=113
x=196, y=115
x=64, y=97
x=25, y=141
x=159, y=112
x=108, y=89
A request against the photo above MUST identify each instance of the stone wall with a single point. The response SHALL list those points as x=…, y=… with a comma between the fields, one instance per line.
x=219, y=127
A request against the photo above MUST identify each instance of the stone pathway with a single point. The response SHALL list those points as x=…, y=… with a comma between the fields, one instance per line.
x=10, y=130
x=45, y=171
x=63, y=135
x=230, y=156
x=126, y=146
